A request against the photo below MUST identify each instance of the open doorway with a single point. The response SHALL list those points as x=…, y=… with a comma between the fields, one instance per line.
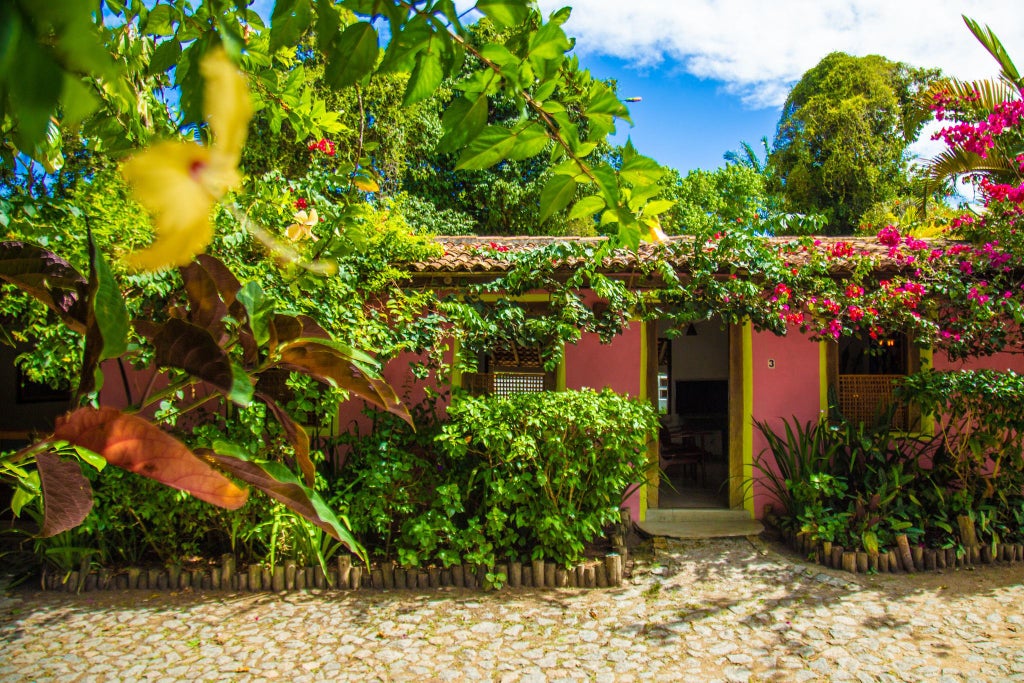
x=693, y=400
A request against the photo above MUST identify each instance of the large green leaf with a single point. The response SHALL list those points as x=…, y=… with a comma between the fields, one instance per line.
x=139, y=446
x=550, y=42
x=426, y=75
x=67, y=494
x=109, y=307
x=504, y=13
x=354, y=56
x=487, y=149
x=288, y=21
x=556, y=195
x=462, y=121
x=530, y=141
x=159, y=21
x=641, y=170
x=165, y=56
x=587, y=206
x=260, y=309
x=48, y=278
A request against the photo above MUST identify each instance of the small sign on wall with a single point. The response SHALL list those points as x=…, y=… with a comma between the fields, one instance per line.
x=771, y=363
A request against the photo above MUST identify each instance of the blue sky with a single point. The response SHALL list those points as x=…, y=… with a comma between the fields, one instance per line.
x=714, y=73
x=683, y=121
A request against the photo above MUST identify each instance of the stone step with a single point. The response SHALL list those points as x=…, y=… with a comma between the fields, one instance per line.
x=700, y=523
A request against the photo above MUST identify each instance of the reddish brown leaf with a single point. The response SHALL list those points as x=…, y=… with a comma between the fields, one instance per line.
x=48, y=278
x=67, y=494
x=131, y=443
x=296, y=436
x=326, y=363
x=207, y=308
x=283, y=329
x=227, y=284
x=181, y=344
x=311, y=328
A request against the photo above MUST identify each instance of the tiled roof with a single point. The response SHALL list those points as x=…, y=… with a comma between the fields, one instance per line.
x=488, y=257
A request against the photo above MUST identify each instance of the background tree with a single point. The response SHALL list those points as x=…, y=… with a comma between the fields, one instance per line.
x=840, y=145
x=706, y=201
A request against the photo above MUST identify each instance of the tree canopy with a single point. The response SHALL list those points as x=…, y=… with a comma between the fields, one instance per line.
x=841, y=141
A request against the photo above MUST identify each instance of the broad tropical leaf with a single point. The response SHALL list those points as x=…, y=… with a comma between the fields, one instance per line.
x=354, y=55
x=67, y=494
x=320, y=360
x=48, y=278
x=138, y=446
x=180, y=344
x=296, y=436
x=281, y=485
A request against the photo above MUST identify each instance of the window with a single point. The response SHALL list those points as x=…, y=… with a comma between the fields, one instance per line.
x=510, y=370
x=863, y=372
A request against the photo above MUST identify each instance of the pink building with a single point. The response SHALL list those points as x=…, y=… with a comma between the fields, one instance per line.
x=711, y=381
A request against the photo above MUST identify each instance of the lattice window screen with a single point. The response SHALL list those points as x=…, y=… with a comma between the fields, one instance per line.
x=862, y=398
x=506, y=383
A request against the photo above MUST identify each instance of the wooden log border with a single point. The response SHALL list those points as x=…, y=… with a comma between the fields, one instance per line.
x=345, y=574
x=904, y=558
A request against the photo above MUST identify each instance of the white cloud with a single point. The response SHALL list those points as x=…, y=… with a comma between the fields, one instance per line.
x=757, y=49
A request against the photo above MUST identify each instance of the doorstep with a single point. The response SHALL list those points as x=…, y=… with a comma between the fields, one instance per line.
x=688, y=523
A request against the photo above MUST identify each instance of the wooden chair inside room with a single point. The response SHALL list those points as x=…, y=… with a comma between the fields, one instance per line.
x=682, y=450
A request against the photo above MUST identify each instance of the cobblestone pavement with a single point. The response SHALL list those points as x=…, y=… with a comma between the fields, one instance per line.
x=728, y=610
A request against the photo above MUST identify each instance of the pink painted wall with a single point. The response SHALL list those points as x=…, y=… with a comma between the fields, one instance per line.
x=411, y=391
x=589, y=363
x=789, y=389
x=999, y=361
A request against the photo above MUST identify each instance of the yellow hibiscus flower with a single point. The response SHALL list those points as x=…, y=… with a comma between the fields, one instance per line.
x=302, y=228
x=179, y=182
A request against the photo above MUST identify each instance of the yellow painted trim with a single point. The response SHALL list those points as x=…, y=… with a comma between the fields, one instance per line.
x=643, y=502
x=649, y=488
x=823, y=377
x=521, y=297
x=560, y=372
x=748, y=414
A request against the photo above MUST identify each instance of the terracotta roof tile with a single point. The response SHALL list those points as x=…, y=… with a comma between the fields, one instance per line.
x=480, y=257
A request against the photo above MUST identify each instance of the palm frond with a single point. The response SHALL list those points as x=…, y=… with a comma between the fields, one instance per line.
x=987, y=37
x=957, y=162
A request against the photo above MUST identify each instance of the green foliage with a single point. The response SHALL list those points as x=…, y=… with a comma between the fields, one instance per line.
x=859, y=485
x=707, y=201
x=547, y=470
x=840, y=143
x=503, y=477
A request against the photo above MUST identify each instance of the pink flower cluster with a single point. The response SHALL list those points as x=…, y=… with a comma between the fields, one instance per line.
x=1002, y=193
x=889, y=236
x=943, y=100
x=979, y=137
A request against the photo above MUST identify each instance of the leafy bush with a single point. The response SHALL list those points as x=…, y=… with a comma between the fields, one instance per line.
x=859, y=485
x=541, y=473
x=546, y=471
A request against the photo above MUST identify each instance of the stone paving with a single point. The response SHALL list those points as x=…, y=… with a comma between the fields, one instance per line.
x=709, y=610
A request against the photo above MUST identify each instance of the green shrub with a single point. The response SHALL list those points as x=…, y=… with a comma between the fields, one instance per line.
x=546, y=471
x=504, y=477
